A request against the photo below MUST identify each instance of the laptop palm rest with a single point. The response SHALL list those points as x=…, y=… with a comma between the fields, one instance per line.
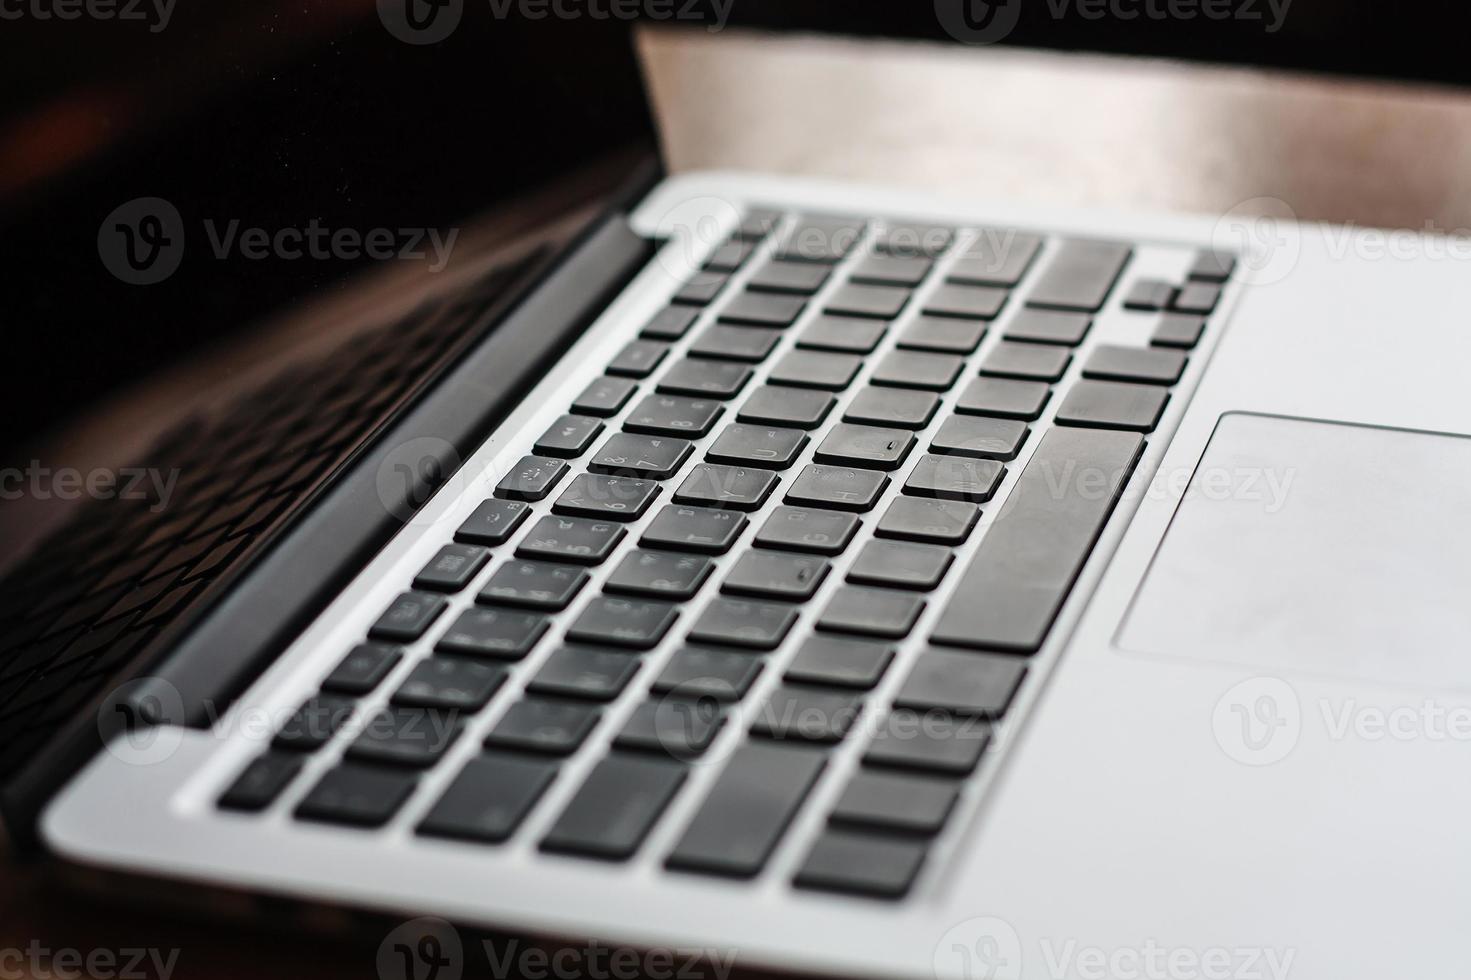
x=1316, y=546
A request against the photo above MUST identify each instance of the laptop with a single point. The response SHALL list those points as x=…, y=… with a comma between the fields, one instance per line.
x=812, y=577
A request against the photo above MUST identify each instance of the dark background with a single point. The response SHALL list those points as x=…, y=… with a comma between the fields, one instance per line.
x=276, y=113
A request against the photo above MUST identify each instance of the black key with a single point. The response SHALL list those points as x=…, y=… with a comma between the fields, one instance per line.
x=356, y=795
x=797, y=408
x=670, y=324
x=1080, y=276
x=362, y=669
x=701, y=289
x=604, y=397
x=844, y=334
x=893, y=270
x=895, y=801
x=1111, y=405
x=731, y=487
x=538, y=725
x=962, y=435
x=631, y=454
x=864, y=611
x=818, y=239
x=772, y=575
x=313, y=724
x=757, y=224
x=613, y=621
x=1178, y=330
x=838, y=661
x=918, y=369
x=807, y=714
x=966, y=302
x=744, y=623
x=863, y=864
x=934, y=521
x=802, y=278
x=823, y=532
x=1026, y=564
x=901, y=565
x=452, y=568
x=535, y=584
x=569, y=436
x=673, y=415
x=453, y=683
x=996, y=258
x=816, y=369
x=579, y=672
x=494, y=521
x=502, y=633
x=970, y=685
x=837, y=487
x=408, y=617
x=706, y=530
x=414, y=737
x=574, y=539
x=1213, y=267
x=659, y=575
x=1146, y=365
x=1049, y=327
x=1149, y=295
x=910, y=239
x=616, y=807
x=877, y=302
x=748, y=809
x=927, y=742
x=1004, y=398
x=489, y=798
x=533, y=478
x=955, y=478
x=765, y=446
x=730, y=255
x=893, y=406
x=700, y=377
x=1197, y=297
x=751, y=344
x=763, y=309
x=718, y=674
x=867, y=446
x=942, y=334
x=676, y=727
x=1034, y=362
x=262, y=781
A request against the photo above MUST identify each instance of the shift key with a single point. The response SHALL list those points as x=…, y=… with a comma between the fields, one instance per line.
x=1017, y=580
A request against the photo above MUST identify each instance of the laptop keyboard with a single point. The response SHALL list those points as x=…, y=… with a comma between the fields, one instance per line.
x=852, y=406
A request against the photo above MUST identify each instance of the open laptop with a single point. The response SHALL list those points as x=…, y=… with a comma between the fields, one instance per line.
x=828, y=578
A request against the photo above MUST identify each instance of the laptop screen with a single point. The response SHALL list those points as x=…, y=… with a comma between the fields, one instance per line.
x=293, y=145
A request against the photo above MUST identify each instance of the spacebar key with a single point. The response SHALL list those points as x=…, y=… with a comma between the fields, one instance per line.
x=1028, y=560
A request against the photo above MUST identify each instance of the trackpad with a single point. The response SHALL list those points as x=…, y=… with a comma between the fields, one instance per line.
x=1318, y=546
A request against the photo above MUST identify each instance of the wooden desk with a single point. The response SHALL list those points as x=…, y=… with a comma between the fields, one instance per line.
x=987, y=122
